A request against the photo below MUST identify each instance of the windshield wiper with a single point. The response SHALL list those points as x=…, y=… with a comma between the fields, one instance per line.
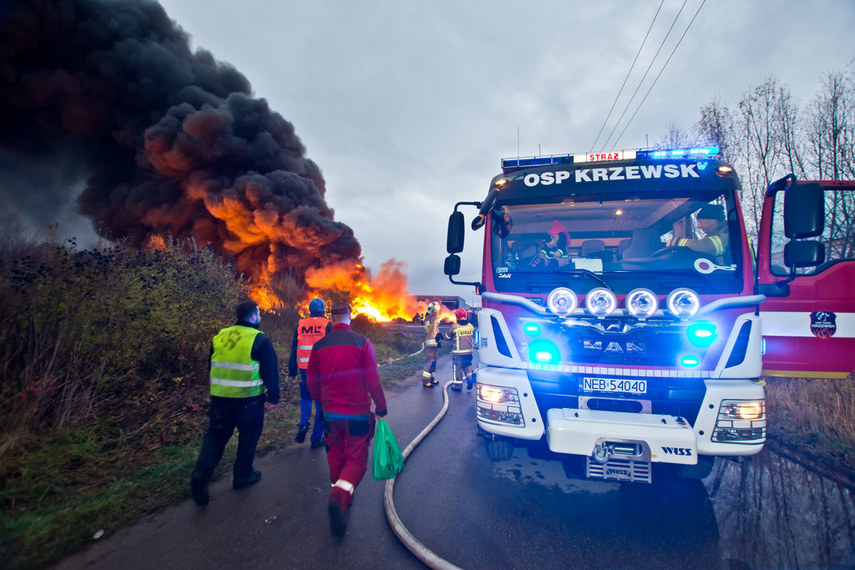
x=585, y=273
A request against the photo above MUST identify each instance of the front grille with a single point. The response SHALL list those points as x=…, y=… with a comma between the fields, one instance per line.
x=620, y=470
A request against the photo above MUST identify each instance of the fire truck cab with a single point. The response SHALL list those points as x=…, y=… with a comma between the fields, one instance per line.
x=625, y=317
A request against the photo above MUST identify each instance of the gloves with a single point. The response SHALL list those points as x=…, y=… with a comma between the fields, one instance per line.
x=438, y=340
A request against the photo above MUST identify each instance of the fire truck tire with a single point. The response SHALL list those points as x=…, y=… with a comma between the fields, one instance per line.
x=499, y=449
x=700, y=471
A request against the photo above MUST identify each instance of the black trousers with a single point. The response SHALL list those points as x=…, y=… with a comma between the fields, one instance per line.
x=224, y=415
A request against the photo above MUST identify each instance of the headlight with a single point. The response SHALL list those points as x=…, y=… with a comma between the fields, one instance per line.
x=562, y=301
x=496, y=395
x=683, y=303
x=600, y=302
x=746, y=410
x=642, y=303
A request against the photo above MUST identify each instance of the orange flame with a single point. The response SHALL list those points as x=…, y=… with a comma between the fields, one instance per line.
x=382, y=298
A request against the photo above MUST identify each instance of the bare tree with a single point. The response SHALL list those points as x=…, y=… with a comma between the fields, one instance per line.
x=716, y=127
x=675, y=137
x=763, y=147
x=830, y=131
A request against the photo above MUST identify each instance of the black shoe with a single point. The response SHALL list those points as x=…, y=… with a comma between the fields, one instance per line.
x=320, y=443
x=301, y=434
x=338, y=526
x=457, y=387
x=469, y=385
x=253, y=479
x=199, y=490
x=427, y=384
x=434, y=381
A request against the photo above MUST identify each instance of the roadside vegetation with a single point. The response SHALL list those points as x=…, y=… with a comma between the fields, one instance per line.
x=104, y=388
x=813, y=422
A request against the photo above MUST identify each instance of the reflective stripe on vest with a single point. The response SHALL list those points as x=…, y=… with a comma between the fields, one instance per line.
x=233, y=372
x=716, y=241
x=309, y=331
x=467, y=331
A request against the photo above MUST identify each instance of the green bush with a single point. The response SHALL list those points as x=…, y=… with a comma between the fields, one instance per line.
x=105, y=357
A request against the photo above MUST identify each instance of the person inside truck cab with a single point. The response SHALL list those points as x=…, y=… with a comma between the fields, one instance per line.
x=554, y=253
x=713, y=223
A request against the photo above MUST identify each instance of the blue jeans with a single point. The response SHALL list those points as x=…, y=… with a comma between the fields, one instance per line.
x=306, y=410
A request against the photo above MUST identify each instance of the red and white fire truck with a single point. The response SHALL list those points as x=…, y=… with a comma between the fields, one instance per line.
x=625, y=318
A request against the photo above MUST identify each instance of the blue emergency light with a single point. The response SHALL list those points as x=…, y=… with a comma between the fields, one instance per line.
x=693, y=152
x=544, y=352
x=514, y=163
x=700, y=152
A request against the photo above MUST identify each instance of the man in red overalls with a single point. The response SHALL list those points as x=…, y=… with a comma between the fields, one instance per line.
x=344, y=378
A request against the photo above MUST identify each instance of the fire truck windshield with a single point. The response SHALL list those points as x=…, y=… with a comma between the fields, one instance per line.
x=656, y=240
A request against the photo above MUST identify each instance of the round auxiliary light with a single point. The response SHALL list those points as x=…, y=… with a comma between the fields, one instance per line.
x=683, y=303
x=600, y=302
x=642, y=303
x=562, y=301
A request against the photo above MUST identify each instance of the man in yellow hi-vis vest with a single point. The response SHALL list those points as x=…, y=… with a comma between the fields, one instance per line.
x=309, y=331
x=712, y=222
x=244, y=374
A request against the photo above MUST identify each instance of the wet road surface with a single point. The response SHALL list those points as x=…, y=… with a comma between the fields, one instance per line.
x=531, y=511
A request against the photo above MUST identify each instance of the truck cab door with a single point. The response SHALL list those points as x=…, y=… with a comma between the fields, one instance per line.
x=807, y=275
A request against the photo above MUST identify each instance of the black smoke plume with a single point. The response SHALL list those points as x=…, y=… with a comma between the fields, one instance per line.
x=164, y=140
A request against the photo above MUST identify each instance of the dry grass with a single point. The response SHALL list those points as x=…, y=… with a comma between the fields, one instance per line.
x=814, y=419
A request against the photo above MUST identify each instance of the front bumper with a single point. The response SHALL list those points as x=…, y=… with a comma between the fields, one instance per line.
x=606, y=435
x=623, y=435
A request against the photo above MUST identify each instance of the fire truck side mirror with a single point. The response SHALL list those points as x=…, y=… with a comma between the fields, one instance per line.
x=804, y=254
x=456, y=232
x=804, y=210
x=452, y=264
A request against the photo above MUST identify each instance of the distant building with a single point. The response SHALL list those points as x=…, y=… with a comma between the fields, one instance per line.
x=449, y=302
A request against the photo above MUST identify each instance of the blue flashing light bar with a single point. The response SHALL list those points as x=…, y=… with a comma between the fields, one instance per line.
x=514, y=163
x=700, y=152
x=694, y=152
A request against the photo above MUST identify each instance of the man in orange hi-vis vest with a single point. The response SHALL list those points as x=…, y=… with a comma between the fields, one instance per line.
x=308, y=332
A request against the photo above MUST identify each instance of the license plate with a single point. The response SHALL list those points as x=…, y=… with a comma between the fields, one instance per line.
x=614, y=385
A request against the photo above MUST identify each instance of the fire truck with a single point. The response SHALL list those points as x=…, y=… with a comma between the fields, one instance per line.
x=626, y=318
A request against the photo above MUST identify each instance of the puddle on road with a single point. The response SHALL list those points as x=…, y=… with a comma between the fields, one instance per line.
x=770, y=512
x=524, y=468
x=774, y=513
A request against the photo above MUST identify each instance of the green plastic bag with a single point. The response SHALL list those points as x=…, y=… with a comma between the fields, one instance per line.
x=388, y=460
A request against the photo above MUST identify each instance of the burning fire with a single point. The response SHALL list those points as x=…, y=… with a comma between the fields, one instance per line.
x=382, y=298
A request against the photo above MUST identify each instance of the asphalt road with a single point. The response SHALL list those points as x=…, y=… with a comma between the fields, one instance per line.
x=531, y=511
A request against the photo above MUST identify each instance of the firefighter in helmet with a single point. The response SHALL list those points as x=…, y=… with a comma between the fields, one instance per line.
x=432, y=343
x=462, y=336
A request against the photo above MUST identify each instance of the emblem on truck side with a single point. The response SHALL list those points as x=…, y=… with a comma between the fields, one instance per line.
x=823, y=324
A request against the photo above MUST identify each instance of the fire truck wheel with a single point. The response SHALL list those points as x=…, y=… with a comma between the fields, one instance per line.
x=500, y=449
x=700, y=471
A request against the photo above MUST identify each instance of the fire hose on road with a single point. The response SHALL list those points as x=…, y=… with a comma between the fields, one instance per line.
x=423, y=553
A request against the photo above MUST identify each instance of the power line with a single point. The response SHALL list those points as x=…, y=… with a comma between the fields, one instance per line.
x=640, y=83
x=625, y=79
x=661, y=70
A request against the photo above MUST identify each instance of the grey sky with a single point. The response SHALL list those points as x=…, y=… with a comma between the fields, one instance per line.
x=407, y=107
